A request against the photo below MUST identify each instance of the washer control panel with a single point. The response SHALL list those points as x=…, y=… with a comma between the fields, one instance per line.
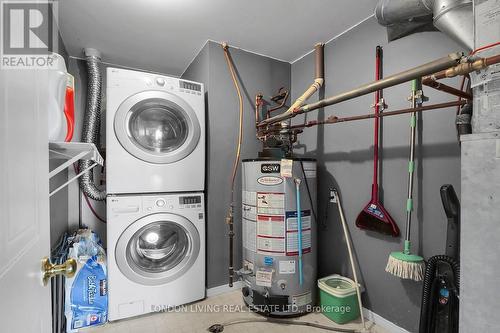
x=193, y=202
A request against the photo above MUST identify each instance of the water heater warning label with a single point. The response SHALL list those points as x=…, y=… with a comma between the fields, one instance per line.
x=270, y=223
x=264, y=278
x=271, y=203
x=249, y=235
x=292, y=239
x=271, y=234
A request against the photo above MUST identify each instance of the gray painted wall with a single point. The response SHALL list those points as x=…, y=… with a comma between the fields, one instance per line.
x=256, y=74
x=344, y=152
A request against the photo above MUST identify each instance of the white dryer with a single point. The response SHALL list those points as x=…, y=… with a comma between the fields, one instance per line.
x=156, y=252
x=155, y=133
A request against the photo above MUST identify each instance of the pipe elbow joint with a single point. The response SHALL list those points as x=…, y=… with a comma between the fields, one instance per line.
x=318, y=82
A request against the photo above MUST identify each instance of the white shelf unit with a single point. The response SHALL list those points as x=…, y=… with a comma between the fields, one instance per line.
x=72, y=152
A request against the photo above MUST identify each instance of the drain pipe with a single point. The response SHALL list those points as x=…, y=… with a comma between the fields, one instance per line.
x=315, y=86
x=91, y=122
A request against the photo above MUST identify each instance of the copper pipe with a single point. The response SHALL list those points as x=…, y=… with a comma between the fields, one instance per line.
x=420, y=71
x=464, y=68
x=258, y=103
x=335, y=119
x=493, y=60
x=315, y=86
x=282, y=104
x=392, y=80
x=389, y=81
x=230, y=213
x=445, y=88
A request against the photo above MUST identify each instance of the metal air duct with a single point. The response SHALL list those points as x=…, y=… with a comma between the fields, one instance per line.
x=452, y=17
x=91, y=121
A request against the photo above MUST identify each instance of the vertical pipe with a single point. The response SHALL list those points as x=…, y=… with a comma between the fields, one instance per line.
x=230, y=214
x=319, y=52
x=299, y=228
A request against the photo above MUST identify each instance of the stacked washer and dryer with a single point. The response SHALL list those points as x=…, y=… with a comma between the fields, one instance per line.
x=155, y=133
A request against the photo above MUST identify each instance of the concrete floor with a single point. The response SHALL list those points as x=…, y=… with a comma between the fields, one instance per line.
x=197, y=317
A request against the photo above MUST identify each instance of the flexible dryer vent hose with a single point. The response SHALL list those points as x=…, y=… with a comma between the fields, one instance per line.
x=91, y=122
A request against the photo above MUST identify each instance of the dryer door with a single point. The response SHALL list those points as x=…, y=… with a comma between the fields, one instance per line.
x=157, y=248
x=157, y=127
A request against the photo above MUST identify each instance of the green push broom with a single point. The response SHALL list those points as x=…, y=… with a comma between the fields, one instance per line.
x=405, y=264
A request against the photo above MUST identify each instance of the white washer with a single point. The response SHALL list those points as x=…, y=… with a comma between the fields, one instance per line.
x=155, y=133
x=156, y=252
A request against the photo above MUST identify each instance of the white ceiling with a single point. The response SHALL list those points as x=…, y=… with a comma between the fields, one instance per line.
x=165, y=35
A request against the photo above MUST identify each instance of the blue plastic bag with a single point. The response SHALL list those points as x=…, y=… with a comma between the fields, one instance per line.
x=87, y=291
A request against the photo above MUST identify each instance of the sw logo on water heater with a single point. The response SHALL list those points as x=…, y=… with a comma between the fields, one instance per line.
x=270, y=168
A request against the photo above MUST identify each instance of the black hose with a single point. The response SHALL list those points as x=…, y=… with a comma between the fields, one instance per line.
x=427, y=290
x=217, y=328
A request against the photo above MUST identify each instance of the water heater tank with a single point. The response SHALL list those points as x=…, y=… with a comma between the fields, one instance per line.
x=271, y=267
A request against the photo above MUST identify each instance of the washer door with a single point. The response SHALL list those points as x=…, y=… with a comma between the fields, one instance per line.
x=157, y=127
x=157, y=248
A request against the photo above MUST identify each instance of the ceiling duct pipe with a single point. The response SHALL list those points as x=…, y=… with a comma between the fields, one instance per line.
x=452, y=17
x=319, y=80
x=91, y=122
x=389, y=12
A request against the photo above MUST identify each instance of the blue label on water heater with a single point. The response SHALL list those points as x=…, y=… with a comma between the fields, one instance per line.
x=293, y=213
x=268, y=261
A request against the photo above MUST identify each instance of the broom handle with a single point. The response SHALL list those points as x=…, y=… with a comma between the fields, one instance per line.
x=378, y=95
x=351, y=257
x=416, y=87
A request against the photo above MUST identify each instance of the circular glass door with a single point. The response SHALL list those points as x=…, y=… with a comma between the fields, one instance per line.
x=157, y=127
x=157, y=248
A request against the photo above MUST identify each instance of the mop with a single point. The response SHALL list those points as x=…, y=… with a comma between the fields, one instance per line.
x=336, y=198
x=405, y=264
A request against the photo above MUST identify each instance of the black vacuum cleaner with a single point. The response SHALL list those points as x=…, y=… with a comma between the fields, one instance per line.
x=440, y=294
